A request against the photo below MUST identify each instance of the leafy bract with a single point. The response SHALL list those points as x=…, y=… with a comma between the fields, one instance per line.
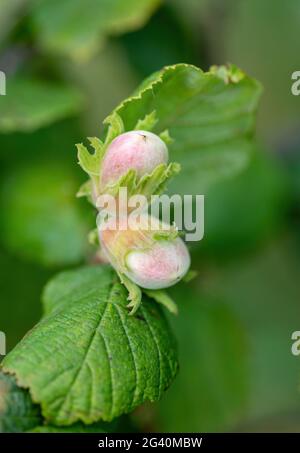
x=210, y=117
x=30, y=103
x=17, y=412
x=88, y=359
x=91, y=162
x=77, y=28
x=148, y=185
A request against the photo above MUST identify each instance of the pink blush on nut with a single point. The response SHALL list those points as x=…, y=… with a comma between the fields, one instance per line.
x=142, y=151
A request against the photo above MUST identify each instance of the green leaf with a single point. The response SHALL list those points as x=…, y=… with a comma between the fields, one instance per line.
x=134, y=293
x=76, y=428
x=88, y=359
x=100, y=427
x=77, y=29
x=155, y=183
x=231, y=74
x=41, y=219
x=127, y=180
x=30, y=104
x=165, y=136
x=17, y=412
x=149, y=184
x=166, y=39
x=209, y=115
x=115, y=127
x=90, y=163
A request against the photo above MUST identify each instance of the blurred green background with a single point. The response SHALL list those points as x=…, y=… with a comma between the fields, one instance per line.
x=68, y=63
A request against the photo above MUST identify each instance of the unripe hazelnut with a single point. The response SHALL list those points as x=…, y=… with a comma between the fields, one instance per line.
x=144, y=255
x=159, y=267
x=142, y=151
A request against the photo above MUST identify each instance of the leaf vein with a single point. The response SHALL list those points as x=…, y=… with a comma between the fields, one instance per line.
x=158, y=351
x=93, y=336
x=132, y=355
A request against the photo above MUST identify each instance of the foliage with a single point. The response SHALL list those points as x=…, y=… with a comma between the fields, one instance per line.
x=210, y=117
x=86, y=360
x=74, y=28
x=68, y=65
x=17, y=413
x=32, y=104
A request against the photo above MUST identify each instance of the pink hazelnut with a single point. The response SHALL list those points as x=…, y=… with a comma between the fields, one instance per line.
x=159, y=267
x=150, y=261
x=142, y=151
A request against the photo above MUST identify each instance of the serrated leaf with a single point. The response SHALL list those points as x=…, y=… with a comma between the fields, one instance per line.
x=209, y=115
x=165, y=136
x=17, y=412
x=100, y=427
x=77, y=428
x=231, y=74
x=128, y=180
x=155, y=183
x=149, y=184
x=134, y=293
x=90, y=360
x=90, y=162
x=30, y=104
x=77, y=29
